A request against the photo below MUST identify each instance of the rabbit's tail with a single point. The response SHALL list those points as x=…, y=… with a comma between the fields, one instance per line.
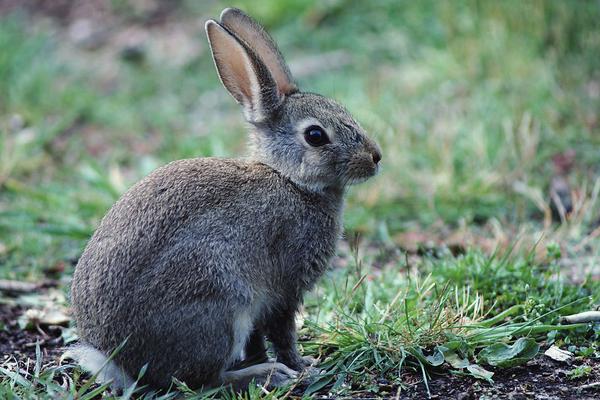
x=98, y=364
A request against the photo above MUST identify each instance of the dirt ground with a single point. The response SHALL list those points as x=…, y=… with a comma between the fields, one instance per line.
x=541, y=378
x=20, y=344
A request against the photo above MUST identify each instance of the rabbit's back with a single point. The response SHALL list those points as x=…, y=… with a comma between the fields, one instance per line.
x=200, y=238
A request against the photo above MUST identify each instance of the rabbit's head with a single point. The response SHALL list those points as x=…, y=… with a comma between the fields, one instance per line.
x=309, y=138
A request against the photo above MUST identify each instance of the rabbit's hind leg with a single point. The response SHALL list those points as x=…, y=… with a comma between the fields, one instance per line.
x=271, y=373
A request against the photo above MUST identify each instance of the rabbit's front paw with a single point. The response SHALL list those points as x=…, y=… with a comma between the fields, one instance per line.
x=309, y=361
x=280, y=375
x=296, y=362
x=310, y=369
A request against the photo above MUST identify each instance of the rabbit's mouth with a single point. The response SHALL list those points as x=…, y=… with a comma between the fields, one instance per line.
x=362, y=165
x=356, y=181
x=364, y=175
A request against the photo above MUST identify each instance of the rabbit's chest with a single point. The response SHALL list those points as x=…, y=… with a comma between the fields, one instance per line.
x=308, y=253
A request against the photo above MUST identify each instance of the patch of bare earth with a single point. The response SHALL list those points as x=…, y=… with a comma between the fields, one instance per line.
x=541, y=378
x=18, y=345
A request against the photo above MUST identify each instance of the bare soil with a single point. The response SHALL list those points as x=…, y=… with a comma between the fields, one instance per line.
x=541, y=378
x=20, y=344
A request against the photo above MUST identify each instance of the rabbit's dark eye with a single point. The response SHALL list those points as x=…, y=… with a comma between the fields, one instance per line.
x=315, y=136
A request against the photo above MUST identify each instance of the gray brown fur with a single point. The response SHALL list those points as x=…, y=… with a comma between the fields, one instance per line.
x=206, y=255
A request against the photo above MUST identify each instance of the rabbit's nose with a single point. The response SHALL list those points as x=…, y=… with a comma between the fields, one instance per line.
x=376, y=156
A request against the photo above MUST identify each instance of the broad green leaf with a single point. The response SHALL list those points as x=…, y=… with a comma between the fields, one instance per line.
x=436, y=359
x=455, y=344
x=504, y=356
x=455, y=361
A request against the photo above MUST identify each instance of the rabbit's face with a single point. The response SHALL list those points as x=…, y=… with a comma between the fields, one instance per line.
x=310, y=139
x=316, y=143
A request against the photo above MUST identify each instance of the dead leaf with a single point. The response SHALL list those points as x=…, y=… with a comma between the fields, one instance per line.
x=15, y=287
x=557, y=354
x=47, y=317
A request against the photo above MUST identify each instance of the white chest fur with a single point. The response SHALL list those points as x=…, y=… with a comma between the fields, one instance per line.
x=243, y=325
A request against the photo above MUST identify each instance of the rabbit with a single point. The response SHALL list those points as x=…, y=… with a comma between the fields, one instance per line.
x=199, y=262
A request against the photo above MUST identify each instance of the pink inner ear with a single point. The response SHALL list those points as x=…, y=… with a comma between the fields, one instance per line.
x=233, y=64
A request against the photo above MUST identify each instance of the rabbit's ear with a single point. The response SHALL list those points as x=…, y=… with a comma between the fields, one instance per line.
x=254, y=36
x=243, y=74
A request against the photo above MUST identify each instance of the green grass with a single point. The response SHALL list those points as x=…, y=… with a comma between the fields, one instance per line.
x=385, y=321
x=470, y=101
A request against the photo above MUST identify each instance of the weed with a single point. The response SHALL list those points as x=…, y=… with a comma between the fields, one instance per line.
x=579, y=372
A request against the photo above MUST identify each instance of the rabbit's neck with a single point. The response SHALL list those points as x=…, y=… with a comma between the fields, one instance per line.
x=333, y=193
x=293, y=166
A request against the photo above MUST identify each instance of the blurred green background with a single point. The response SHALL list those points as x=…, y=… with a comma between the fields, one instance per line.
x=476, y=104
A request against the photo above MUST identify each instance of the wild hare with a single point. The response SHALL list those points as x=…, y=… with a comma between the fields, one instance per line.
x=200, y=261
